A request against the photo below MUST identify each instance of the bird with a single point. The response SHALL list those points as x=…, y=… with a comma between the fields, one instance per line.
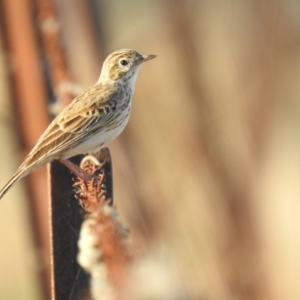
x=92, y=119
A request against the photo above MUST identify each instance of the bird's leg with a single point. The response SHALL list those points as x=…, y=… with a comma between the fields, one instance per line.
x=77, y=171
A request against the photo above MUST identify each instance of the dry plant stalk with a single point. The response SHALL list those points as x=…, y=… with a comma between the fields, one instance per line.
x=92, y=193
x=103, y=247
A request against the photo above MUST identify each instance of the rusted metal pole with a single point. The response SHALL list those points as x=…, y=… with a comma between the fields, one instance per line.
x=49, y=27
x=69, y=280
x=29, y=97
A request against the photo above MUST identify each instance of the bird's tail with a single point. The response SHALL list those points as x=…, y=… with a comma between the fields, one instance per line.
x=18, y=175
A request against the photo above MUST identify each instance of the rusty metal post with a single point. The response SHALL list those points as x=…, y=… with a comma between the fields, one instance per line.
x=69, y=281
x=29, y=96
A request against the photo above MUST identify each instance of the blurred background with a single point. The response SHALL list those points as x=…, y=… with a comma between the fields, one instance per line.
x=207, y=172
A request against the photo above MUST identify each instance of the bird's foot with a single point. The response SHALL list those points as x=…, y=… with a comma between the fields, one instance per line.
x=77, y=171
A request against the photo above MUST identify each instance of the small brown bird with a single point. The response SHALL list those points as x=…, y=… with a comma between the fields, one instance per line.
x=92, y=119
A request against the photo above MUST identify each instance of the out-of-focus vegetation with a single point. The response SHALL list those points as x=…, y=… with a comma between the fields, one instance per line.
x=207, y=171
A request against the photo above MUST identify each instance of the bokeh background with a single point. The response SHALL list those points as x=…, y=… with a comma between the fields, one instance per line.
x=207, y=172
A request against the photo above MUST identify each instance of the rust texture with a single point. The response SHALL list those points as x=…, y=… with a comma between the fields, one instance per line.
x=35, y=55
x=29, y=98
x=49, y=30
x=69, y=281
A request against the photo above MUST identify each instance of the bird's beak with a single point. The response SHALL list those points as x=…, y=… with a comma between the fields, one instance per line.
x=144, y=59
x=148, y=57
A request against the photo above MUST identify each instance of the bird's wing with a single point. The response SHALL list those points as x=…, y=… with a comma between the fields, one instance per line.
x=86, y=114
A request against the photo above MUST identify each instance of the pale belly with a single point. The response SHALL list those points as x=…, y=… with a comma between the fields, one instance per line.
x=96, y=142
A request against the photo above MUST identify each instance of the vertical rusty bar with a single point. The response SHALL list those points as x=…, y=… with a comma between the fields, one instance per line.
x=68, y=279
x=29, y=95
x=49, y=27
x=31, y=109
x=105, y=158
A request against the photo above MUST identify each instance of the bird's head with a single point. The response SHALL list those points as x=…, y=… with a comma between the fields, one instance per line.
x=123, y=65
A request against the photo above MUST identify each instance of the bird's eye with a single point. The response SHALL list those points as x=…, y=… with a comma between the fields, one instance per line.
x=124, y=62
